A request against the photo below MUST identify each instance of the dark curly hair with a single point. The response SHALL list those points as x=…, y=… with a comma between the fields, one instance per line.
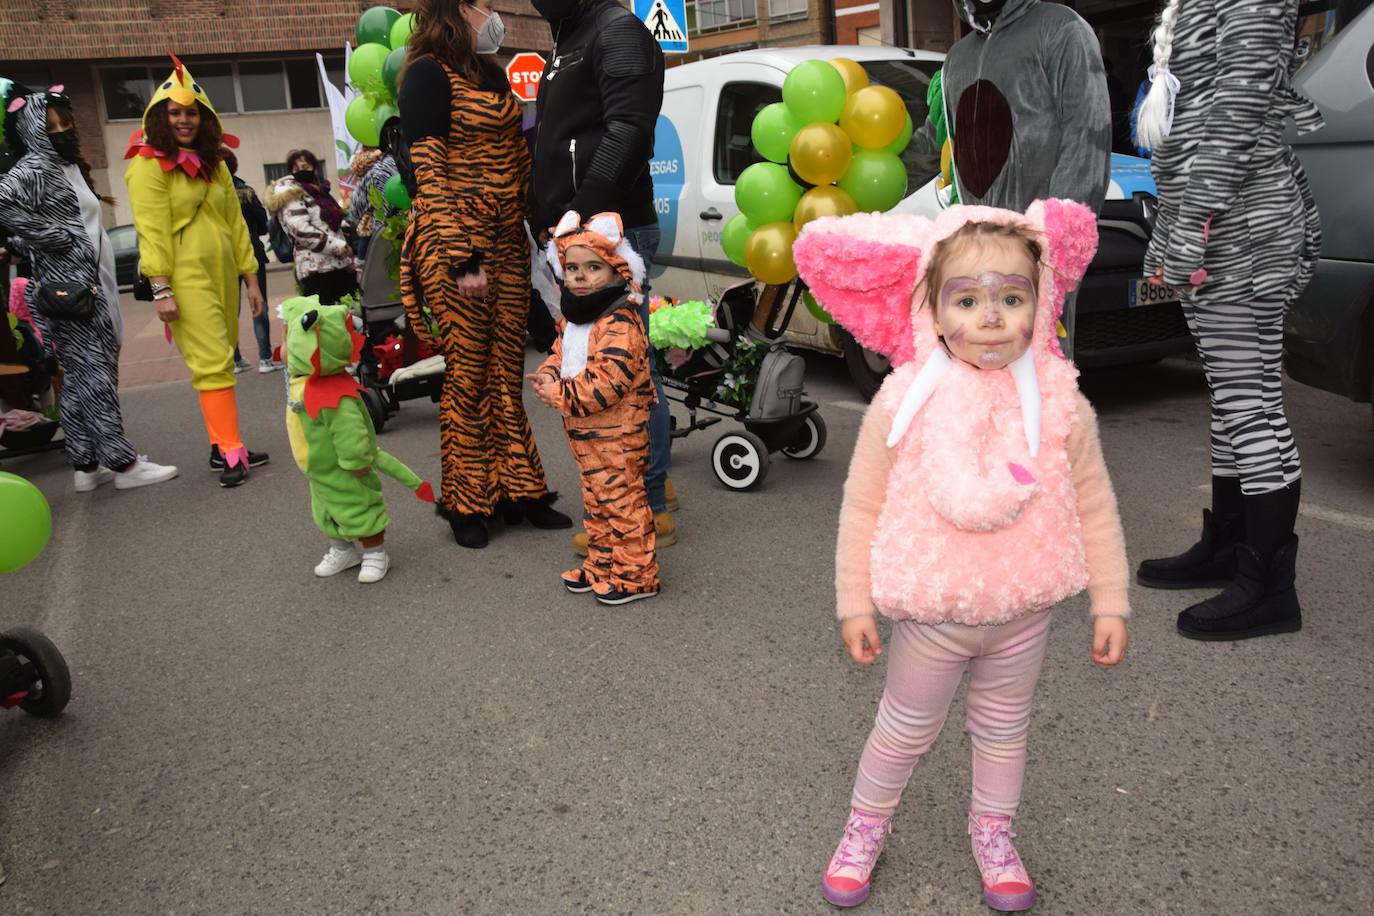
x=160, y=137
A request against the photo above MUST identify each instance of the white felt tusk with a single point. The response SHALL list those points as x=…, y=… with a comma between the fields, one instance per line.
x=916, y=396
x=1028, y=388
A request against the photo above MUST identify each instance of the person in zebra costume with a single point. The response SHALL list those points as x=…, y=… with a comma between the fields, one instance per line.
x=52, y=213
x=1238, y=233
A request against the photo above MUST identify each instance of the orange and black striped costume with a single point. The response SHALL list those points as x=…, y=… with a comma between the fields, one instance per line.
x=472, y=170
x=606, y=417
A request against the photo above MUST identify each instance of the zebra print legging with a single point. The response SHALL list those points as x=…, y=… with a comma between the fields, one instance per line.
x=92, y=426
x=1237, y=322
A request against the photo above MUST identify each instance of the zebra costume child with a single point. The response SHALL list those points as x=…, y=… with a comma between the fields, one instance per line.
x=53, y=217
x=1238, y=231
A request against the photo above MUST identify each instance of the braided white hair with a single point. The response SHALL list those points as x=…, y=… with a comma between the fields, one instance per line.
x=1156, y=116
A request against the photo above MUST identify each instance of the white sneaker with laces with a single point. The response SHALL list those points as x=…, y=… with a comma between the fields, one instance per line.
x=266, y=365
x=86, y=481
x=143, y=473
x=337, y=560
x=375, y=565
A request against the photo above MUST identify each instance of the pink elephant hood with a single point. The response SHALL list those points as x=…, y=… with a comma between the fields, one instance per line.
x=980, y=519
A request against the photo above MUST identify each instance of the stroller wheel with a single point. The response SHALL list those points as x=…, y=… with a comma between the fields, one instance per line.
x=376, y=408
x=49, y=695
x=810, y=439
x=740, y=460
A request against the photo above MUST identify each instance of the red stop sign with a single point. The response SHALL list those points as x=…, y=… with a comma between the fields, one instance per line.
x=524, y=71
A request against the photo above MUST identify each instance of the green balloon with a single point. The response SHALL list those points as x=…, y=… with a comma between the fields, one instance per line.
x=385, y=112
x=876, y=180
x=391, y=70
x=361, y=120
x=365, y=68
x=28, y=522
x=765, y=193
x=395, y=193
x=732, y=238
x=814, y=91
x=773, y=130
x=896, y=146
x=401, y=29
x=374, y=25
x=815, y=309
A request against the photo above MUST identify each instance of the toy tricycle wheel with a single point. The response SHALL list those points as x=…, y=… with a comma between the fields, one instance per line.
x=810, y=439
x=49, y=696
x=740, y=460
x=376, y=408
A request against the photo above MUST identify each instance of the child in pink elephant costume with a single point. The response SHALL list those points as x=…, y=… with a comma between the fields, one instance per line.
x=977, y=499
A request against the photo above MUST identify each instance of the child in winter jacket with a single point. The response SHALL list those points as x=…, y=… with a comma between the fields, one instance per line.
x=977, y=499
x=598, y=378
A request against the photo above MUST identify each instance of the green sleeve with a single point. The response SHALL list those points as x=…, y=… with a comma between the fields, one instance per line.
x=350, y=429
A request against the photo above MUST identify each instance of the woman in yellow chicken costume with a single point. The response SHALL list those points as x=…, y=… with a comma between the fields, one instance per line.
x=194, y=247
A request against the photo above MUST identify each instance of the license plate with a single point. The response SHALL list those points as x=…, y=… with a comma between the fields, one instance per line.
x=1143, y=292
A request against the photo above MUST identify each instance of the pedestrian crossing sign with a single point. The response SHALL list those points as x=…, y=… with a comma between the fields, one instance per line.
x=666, y=21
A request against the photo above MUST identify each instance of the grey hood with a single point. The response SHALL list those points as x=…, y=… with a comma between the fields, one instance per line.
x=1011, y=11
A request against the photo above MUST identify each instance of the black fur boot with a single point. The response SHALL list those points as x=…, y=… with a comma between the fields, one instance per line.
x=1261, y=601
x=1211, y=562
x=538, y=512
x=468, y=530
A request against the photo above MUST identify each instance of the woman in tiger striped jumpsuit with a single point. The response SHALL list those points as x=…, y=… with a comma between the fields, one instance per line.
x=1239, y=234
x=466, y=260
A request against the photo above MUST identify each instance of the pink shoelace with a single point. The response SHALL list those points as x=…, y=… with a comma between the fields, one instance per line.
x=997, y=857
x=863, y=841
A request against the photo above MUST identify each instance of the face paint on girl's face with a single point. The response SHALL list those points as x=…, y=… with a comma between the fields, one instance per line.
x=584, y=272
x=986, y=312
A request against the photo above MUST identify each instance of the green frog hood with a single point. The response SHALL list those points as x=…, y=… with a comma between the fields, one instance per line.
x=321, y=343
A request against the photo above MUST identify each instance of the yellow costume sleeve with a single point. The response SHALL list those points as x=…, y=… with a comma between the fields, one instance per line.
x=233, y=217
x=150, y=197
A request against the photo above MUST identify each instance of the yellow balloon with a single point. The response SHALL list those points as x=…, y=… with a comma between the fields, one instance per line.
x=820, y=153
x=855, y=77
x=823, y=201
x=947, y=164
x=768, y=253
x=873, y=117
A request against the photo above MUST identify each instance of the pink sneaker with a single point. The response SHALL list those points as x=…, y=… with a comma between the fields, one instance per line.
x=1006, y=884
x=845, y=882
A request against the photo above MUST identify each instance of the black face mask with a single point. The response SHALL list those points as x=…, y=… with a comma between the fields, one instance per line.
x=588, y=308
x=304, y=176
x=557, y=10
x=64, y=144
x=989, y=8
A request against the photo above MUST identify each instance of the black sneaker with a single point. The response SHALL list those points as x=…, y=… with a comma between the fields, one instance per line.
x=615, y=596
x=576, y=582
x=232, y=477
x=255, y=459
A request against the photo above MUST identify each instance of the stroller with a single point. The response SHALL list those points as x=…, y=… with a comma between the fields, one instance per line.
x=774, y=415
x=394, y=367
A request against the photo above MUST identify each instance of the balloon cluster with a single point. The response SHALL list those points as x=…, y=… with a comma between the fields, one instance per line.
x=374, y=69
x=832, y=147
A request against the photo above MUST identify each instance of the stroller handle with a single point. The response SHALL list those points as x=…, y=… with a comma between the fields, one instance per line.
x=717, y=335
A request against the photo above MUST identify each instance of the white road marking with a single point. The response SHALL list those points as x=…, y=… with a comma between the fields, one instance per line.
x=1321, y=513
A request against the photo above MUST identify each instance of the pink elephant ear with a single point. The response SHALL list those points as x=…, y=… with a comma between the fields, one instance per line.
x=1070, y=241
x=16, y=104
x=862, y=269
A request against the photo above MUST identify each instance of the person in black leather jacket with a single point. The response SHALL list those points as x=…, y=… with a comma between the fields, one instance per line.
x=599, y=99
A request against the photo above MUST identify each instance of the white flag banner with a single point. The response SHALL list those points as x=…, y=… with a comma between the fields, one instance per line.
x=344, y=144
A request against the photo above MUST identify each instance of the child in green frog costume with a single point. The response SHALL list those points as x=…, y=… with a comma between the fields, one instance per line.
x=333, y=441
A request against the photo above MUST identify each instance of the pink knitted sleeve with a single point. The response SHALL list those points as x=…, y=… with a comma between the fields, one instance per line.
x=864, y=492
x=1104, y=545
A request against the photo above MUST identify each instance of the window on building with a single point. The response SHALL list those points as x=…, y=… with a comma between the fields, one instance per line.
x=740, y=103
x=783, y=10
x=334, y=69
x=218, y=82
x=712, y=15
x=274, y=171
x=303, y=82
x=127, y=91
x=263, y=85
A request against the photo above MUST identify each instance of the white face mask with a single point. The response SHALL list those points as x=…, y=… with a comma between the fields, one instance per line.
x=491, y=34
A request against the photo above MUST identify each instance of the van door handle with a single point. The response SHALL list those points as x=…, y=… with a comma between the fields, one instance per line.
x=711, y=213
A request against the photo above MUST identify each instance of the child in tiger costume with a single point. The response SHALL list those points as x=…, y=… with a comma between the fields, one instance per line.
x=598, y=378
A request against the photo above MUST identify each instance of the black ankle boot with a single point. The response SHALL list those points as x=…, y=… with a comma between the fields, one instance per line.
x=1262, y=600
x=468, y=530
x=1210, y=563
x=538, y=512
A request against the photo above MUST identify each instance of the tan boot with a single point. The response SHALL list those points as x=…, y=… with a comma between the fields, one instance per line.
x=670, y=496
x=580, y=543
x=665, y=530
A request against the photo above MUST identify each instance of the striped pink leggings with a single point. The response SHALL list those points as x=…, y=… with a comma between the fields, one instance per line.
x=925, y=664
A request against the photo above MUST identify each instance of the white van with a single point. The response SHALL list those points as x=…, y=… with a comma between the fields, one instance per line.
x=703, y=143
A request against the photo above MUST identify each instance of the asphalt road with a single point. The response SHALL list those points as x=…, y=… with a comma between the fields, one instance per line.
x=467, y=738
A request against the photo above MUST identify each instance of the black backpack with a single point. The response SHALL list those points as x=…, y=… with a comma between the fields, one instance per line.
x=282, y=245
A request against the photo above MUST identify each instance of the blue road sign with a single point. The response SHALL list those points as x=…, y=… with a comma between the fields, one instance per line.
x=666, y=21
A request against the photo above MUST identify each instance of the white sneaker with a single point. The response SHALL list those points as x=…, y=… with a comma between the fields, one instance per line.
x=337, y=560
x=266, y=365
x=242, y=365
x=86, y=481
x=143, y=473
x=375, y=565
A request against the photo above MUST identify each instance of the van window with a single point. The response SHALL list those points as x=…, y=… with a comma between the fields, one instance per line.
x=911, y=80
x=740, y=103
x=1322, y=20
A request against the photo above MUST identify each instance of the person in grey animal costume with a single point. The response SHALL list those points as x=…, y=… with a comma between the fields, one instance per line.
x=53, y=216
x=1238, y=232
x=1027, y=109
